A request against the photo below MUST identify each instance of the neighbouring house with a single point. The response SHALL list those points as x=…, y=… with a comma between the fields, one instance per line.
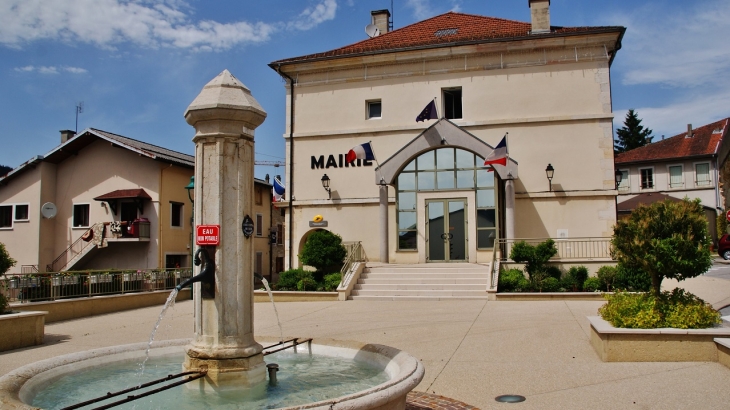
x=427, y=195
x=685, y=165
x=104, y=201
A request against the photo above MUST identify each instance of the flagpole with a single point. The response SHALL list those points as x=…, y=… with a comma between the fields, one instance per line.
x=376, y=159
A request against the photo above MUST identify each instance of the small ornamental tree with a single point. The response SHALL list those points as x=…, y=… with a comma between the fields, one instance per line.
x=666, y=240
x=534, y=257
x=323, y=250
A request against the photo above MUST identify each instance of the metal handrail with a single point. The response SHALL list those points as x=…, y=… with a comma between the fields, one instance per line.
x=68, y=285
x=53, y=266
x=495, y=265
x=354, y=254
x=577, y=248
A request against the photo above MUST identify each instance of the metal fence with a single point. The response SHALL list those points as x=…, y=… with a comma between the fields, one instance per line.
x=67, y=285
x=568, y=249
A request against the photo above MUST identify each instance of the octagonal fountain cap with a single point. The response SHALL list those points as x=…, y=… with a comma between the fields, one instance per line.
x=225, y=98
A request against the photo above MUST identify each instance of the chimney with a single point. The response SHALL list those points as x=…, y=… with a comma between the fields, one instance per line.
x=689, y=131
x=540, y=12
x=381, y=19
x=67, y=135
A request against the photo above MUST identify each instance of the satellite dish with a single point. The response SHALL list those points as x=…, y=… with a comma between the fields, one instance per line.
x=372, y=30
x=49, y=210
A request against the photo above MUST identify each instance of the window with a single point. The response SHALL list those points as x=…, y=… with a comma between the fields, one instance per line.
x=21, y=213
x=258, y=263
x=452, y=103
x=259, y=197
x=675, y=176
x=176, y=261
x=446, y=169
x=6, y=216
x=279, y=234
x=647, y=178
x=259, y=225
x=374, y=109
x=81, y=216
x=702, y=172
x=624, y=185
x=176, y=214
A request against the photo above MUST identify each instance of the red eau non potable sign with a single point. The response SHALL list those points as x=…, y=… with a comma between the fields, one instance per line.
x=208, y=235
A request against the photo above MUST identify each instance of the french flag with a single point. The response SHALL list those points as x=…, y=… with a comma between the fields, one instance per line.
x=499, y=155
x=277, y=190
x=364, y=151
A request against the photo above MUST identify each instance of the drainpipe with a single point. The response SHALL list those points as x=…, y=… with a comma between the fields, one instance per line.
x=291, y=164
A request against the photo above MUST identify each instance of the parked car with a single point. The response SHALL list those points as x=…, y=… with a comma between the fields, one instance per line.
x=723, y=247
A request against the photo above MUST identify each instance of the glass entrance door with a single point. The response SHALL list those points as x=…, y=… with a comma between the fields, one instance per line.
x=446, y=230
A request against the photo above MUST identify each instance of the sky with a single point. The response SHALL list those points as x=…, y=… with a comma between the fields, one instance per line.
x=137, y=64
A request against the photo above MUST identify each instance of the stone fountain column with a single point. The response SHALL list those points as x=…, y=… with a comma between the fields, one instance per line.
x=224, y=116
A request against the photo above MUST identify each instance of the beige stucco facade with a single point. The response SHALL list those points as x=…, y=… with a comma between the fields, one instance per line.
x=552, y=97
x=97, y=167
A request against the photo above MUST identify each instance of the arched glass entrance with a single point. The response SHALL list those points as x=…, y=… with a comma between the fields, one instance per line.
x=452, y=173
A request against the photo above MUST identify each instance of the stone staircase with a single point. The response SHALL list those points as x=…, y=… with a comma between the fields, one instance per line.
x=433, y=281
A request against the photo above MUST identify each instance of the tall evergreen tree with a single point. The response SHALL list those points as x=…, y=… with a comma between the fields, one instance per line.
x=632, y=134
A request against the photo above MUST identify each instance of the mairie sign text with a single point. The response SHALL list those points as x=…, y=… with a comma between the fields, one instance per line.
x=208, y=235
x=338, y=161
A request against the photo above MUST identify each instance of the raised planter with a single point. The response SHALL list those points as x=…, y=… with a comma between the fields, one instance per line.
x=654, y=345
x=294, y=296
x=21, y=329
x=723, y=351
x=596, y=296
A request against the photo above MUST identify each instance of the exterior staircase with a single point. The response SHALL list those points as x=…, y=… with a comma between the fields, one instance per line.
x=433, y=281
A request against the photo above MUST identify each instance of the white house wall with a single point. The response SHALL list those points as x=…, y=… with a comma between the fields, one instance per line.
x=21, y=241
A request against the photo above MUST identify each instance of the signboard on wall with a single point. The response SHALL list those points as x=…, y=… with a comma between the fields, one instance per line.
x=207, y=235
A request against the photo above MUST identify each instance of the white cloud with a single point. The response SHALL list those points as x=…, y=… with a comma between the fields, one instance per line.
x=421, y=8
x=676, y=47
x=312, y=16
x=147, y=23
x=51, y=69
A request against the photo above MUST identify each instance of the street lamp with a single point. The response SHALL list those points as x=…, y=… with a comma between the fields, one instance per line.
x=326, y=185
x=190, y=187
x=619, y=176
x=549, y=171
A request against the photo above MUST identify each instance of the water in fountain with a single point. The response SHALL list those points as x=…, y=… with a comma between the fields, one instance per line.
x=303, y=378
x=169, y=303
x=271, y=296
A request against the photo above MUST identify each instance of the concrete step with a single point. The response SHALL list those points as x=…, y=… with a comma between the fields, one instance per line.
x=422, y=275
x=421, y=270
x=412, y=298
x=420, y=286
x=431, y=293
x=432, y=281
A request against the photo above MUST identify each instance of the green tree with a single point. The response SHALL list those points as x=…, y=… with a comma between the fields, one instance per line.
x=632, y=134
x=666, y=240
x=6, y=262
x=324, y=251
x=4, y=169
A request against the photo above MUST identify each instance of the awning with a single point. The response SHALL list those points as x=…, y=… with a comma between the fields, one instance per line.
x=124, y=194
x=138, y=195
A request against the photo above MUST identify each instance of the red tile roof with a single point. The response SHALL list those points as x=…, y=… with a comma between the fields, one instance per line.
x=123, y=194
x=705, y=141
x=447, y=29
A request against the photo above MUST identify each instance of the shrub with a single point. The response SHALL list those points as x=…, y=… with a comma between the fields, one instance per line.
x=579, y=274
x=6, y=262
x=678, y=309
x=512, y=280
x=324, y=251
x=549, y=284
x=289, y=280
x=721, y=224
x=553, y=272
x=592, y=284
x=307, y=283
x=332, y=281
x=607, y=276
x=534, y=257
x=3, y=301
x=631, y=279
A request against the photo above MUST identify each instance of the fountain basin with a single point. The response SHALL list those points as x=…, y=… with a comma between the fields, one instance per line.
x=403, y=371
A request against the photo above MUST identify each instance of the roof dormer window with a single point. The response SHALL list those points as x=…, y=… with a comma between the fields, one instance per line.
x=446, y=32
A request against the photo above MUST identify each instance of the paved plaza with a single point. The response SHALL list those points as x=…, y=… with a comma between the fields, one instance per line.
x=473, y=350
